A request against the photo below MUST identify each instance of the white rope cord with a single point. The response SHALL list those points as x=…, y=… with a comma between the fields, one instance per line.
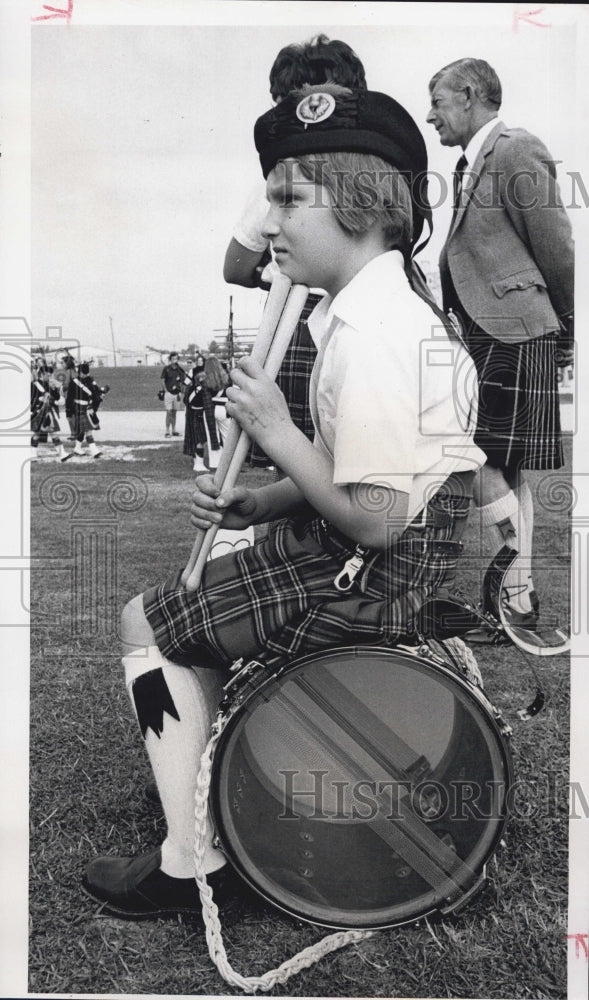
x=466, y=657
x=302, y=960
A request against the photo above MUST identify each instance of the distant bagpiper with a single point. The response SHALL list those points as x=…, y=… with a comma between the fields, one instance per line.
x=84, y=396
x=45, y=393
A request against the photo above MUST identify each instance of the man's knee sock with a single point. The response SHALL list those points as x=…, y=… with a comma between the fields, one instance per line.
x=526, y=533
x=502, y=522
x=175, y=707
x=499, y=521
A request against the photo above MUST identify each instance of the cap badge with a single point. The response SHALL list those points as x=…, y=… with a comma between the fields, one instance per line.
x=315, y=108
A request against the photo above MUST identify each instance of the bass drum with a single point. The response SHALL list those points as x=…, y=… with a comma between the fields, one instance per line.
x=361, y=787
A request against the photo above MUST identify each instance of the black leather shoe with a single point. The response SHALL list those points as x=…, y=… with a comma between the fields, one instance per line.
x=527, y=620
x=493, y=593
x=136, y=887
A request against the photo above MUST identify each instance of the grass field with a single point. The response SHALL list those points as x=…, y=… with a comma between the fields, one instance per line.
x=131, y=388
x=88, y=770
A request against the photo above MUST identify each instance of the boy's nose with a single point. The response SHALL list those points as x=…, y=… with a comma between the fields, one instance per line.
x=270, y=227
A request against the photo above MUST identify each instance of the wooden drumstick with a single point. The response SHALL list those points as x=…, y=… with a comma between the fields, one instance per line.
x=273, y=340
x=274, y=307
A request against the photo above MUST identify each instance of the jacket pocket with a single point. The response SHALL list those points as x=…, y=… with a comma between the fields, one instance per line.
x=518, y=282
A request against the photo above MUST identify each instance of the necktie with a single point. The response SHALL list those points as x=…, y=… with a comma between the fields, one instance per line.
x=458, y=175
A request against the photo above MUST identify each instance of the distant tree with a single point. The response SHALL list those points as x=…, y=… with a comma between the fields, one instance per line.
x=192, y=349
x=214, y=347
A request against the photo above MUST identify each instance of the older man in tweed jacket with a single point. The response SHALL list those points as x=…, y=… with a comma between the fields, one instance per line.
x=507, y=272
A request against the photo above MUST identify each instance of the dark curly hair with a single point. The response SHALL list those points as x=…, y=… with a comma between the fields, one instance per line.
x=317, y=61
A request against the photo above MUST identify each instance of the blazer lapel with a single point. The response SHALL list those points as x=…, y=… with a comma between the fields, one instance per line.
x=474, y=175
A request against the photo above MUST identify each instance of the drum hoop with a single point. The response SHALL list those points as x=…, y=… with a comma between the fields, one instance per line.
x=255, y=676
x=257, y=680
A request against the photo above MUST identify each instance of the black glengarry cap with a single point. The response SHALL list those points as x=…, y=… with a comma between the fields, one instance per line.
x=328, y=119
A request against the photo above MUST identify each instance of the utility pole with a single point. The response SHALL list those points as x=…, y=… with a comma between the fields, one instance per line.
x=114, y=350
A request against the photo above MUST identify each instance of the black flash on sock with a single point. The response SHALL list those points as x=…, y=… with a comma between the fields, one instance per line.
x=152, y=698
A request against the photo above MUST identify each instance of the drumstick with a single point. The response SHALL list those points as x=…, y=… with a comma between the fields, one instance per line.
x=286, y=326
x=278, y=324
x=275, y=303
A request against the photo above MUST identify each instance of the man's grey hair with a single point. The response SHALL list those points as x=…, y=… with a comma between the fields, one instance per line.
x=473, y=73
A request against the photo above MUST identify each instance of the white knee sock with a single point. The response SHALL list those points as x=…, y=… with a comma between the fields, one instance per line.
x=504, y=524
x=499, y=521
x=526, y=533
x=174, y=754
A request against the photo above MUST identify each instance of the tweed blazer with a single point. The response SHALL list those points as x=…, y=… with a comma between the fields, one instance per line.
x=509, y=250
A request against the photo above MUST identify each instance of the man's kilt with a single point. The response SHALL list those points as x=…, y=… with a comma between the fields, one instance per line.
x=81, y=423
x=294, y=376
x=45, y=421
x=277, y=599
x=519, y=412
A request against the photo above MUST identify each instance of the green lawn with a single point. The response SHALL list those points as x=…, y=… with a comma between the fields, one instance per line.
x=131, y=388
x=88, y=770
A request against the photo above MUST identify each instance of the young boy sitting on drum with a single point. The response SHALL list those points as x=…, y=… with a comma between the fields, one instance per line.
x=387, y=479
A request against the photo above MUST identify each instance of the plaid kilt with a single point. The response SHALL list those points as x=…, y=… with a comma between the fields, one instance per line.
x=81, y=423
x=45, y=421
x=195, y=433
x=519, y=416
x=294, y=376
x=277, y=600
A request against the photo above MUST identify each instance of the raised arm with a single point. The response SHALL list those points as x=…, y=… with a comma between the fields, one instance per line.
x=243, y=266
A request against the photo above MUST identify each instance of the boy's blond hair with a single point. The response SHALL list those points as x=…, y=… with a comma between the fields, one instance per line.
x=364, y=191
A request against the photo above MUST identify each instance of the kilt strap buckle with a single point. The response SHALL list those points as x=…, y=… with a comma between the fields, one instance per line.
x=345, y=578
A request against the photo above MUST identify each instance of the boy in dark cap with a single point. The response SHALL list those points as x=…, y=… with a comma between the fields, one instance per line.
x=367, y=521
x=247, y=259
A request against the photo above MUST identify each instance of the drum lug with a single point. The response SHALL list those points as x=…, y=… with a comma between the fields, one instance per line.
x=504, y=727
x=458, y=904
x=240, y=672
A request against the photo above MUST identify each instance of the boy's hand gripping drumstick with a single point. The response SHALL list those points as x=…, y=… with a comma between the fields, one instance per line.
x=281, y=315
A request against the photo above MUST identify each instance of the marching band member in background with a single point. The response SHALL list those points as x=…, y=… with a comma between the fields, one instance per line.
x=68, y=373
x=83, y=398
x=198, y=400
x=44, y=412
x=195, y=436
x=393, y=427
x=216, y=380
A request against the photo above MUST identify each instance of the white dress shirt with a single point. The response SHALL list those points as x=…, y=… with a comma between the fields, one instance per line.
x=392, y=398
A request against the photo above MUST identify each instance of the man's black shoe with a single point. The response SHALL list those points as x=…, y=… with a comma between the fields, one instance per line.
x=136, y=888
x=493, y=593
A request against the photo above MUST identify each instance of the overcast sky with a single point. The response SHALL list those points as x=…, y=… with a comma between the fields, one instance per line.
x=142, y=155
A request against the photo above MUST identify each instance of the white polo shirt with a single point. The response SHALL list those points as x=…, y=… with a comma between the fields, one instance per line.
x=393, y=399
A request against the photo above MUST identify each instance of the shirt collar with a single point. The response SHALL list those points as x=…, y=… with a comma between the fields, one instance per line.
x=473, y=148
x=387, y=270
